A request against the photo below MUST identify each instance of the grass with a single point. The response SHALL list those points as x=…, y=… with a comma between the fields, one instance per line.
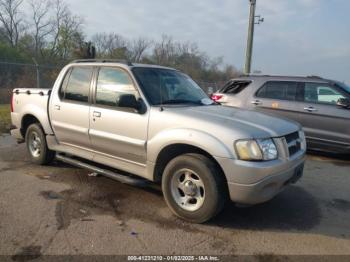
x=5, y=119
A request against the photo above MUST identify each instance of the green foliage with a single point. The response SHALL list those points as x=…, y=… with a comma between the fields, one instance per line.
x=9, y=53
x=5, y=118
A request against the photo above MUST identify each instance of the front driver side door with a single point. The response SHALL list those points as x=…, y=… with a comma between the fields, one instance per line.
x=117, y=133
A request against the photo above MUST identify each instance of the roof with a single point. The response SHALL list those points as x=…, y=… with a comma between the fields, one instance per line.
x=117, y=62
x=284, y=78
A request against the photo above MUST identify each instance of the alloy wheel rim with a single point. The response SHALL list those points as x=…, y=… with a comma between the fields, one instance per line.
x=187, y=189
x=34, y=144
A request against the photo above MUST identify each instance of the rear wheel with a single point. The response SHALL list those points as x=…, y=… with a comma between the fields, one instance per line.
x=37, y=146
x=194, y=188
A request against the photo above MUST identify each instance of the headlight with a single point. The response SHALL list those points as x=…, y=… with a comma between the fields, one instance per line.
x=260, y=149
x=268, y=149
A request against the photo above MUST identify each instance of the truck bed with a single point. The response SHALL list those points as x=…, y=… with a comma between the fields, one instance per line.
x=27, y=102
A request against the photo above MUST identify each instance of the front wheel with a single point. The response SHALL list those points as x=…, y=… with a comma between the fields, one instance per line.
x=37, y=146
x=194, y=187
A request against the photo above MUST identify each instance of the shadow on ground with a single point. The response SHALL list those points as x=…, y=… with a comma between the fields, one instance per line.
x=294, y=209
x=337, y=159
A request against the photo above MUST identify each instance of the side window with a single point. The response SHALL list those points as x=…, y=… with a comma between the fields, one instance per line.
x=64, y=84
x=111, y=84
x=78, y=85
x=321, y=93
x=279, y=90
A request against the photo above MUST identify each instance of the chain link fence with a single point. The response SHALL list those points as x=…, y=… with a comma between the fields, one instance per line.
x=22, y=75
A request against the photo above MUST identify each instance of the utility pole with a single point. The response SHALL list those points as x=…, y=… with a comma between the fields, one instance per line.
x=252, y=23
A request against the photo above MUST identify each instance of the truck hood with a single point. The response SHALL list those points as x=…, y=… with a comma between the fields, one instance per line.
x=245, y=122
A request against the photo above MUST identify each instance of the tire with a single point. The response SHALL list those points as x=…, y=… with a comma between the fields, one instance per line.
x=196, y=203
x=37, y=146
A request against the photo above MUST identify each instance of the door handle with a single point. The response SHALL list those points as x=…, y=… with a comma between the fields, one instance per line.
x=97, y=114
x=256, y=102
x=57, y=107
x=310, y=109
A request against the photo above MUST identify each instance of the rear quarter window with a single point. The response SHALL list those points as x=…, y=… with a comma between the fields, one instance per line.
x=234, y=87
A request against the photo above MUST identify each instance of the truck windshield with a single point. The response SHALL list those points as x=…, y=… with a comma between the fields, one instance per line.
x=166, y=86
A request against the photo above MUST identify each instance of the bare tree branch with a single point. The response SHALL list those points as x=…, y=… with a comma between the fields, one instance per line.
x=138, y=48
x=110, y=45
x=41, y=23
x=11, y=20
x=66, y=31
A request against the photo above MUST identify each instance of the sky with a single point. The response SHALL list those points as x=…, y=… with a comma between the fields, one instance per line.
x=298, y=37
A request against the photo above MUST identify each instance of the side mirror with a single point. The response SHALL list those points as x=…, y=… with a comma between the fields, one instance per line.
x=343, y=102
x=128, y=101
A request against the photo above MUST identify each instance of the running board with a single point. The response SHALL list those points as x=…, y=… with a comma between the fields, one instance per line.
x=110, y=174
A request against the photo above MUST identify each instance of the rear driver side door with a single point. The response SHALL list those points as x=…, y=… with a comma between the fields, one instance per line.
x=69, y=110
x=278, y=98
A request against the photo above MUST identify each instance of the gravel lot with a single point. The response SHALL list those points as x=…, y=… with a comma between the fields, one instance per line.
x=61, y=210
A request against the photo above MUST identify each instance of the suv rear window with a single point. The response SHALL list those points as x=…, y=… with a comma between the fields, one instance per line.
x=279, y=90
x=234, y=87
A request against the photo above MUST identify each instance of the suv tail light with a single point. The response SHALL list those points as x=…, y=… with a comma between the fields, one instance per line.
x=216, y=97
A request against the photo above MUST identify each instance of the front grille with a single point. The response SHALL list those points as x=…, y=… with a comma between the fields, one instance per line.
x=293, y=143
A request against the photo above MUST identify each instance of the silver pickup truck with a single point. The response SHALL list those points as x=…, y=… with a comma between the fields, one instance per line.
x=137, y=123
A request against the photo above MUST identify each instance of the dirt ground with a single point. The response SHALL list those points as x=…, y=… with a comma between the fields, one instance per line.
x=59, y=209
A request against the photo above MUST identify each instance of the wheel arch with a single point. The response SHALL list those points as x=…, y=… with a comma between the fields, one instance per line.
x=168, y=144
x=27, y=120
x=171, y=151
x=32, y=113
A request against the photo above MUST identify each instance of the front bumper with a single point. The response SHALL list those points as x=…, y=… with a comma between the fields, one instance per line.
x=257, y=182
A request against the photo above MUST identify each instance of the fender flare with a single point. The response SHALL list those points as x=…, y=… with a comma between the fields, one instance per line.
x=39, y=114
x=192, y=137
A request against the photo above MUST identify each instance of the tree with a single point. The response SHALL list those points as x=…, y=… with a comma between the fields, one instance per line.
x=86, y=51
x=70, y=38
x=110, y=45
x=164, y=51
x=11, y=20
x=66, y=32
x=42, y=25
x=53, y=34
x=138, y=48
